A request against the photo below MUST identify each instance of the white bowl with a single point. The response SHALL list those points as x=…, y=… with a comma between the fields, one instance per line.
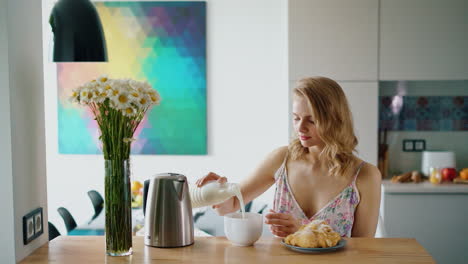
x=243, y=231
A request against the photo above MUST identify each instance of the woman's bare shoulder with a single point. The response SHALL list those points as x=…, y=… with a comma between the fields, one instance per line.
x=277, y=156
x=280, y=152
x=369, y=177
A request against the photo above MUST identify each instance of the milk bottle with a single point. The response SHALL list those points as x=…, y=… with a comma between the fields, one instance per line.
x=214, y=193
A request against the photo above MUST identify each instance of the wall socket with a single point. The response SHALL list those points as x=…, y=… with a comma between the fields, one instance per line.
x=414, y=145
x=32, y=225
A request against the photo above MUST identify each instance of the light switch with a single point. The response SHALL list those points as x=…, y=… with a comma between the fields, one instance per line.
x=408, y=145
x=32, y=225
x=29, y=227
x=38, y=223
x=419, y=145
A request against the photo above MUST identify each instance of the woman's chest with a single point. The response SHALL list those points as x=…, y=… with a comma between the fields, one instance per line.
x=314, y=190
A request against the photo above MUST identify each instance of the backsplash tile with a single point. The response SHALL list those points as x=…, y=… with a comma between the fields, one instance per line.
x=423, y=113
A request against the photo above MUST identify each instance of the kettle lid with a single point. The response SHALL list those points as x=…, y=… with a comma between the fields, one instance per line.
x=170, y=176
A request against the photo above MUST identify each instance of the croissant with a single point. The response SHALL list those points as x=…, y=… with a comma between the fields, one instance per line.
x=316, y=234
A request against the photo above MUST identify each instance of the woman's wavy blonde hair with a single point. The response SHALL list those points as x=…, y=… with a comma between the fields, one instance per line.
x=334, y=123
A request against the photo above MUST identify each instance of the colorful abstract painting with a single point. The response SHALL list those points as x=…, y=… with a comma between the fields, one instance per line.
x=163, y=43
x=423, y=113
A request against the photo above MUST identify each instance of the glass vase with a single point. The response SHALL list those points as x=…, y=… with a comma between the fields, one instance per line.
x=118, y=208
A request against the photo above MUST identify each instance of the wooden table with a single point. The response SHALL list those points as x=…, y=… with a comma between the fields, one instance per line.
x=88, y=249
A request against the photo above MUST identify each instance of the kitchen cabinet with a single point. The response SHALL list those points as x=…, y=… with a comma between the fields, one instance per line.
x=436, y=215
x=423, y=40
x=363, y=101
x=333, y=38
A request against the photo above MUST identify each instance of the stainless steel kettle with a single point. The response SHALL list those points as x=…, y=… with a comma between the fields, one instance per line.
x=168, y=211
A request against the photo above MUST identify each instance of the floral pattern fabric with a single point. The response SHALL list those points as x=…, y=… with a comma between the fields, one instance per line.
x=338, y=213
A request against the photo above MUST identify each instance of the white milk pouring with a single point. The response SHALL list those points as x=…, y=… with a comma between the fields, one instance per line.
x=214, y=193
x=241, y=200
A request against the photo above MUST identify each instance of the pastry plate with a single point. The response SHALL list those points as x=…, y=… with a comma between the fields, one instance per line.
x=340, y=244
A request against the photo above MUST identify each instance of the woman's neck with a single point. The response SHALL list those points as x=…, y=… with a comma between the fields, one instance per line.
x=314, y=154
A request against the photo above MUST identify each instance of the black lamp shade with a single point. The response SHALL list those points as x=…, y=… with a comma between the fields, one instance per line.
x=78, y=34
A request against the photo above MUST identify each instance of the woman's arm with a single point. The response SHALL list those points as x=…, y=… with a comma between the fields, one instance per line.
x=254, y=185
x=367, y=212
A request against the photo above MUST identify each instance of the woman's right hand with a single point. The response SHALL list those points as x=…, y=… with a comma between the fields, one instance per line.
x=224, y=207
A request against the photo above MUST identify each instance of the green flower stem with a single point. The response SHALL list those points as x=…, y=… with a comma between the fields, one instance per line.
x=116, y=132
x=118, y=207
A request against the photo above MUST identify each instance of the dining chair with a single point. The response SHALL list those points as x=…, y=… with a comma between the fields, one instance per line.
x=53, y=232
x=248, y=207
x=70, y=223
x=197, y=215
x=97, y=201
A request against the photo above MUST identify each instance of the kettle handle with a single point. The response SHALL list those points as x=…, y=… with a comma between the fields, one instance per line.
x=145, y=194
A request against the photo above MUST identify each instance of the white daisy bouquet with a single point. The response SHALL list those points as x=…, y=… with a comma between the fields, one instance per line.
x=118, y=106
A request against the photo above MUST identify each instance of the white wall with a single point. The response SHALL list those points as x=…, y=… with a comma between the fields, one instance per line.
x=401, y=162
x=27, y=117
x=7, y=233
x=247, y=107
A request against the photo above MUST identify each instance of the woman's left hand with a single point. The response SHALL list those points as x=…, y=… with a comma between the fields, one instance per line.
x=282, y=225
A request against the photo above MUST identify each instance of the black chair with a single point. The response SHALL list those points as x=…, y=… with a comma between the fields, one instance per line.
x=263, y=208
x=53, y=232
x=70, y=223
x=248, y=207
x=97, y=201
x=197, y=215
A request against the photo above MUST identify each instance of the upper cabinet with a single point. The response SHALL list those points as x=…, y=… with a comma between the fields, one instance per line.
x=423, y=40
x=333, y=38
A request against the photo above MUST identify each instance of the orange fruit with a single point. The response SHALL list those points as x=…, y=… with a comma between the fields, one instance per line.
x=136, y=186
x=464, y=174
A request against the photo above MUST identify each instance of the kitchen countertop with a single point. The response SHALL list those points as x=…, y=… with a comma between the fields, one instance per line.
x=88, y=249
x=423, y=187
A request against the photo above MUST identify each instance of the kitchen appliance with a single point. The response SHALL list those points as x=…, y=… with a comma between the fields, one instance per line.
x=437, y=159
x=168, y=211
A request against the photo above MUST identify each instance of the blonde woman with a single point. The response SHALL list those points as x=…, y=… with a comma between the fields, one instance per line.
x=317, y=176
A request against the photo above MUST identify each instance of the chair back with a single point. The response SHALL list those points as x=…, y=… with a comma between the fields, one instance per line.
x=248, y=206
x=97, y=201
x=70, y=223
x=53, y=232
x=197, y=215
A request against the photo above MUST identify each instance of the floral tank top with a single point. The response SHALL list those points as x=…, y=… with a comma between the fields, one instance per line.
x=338, y=213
